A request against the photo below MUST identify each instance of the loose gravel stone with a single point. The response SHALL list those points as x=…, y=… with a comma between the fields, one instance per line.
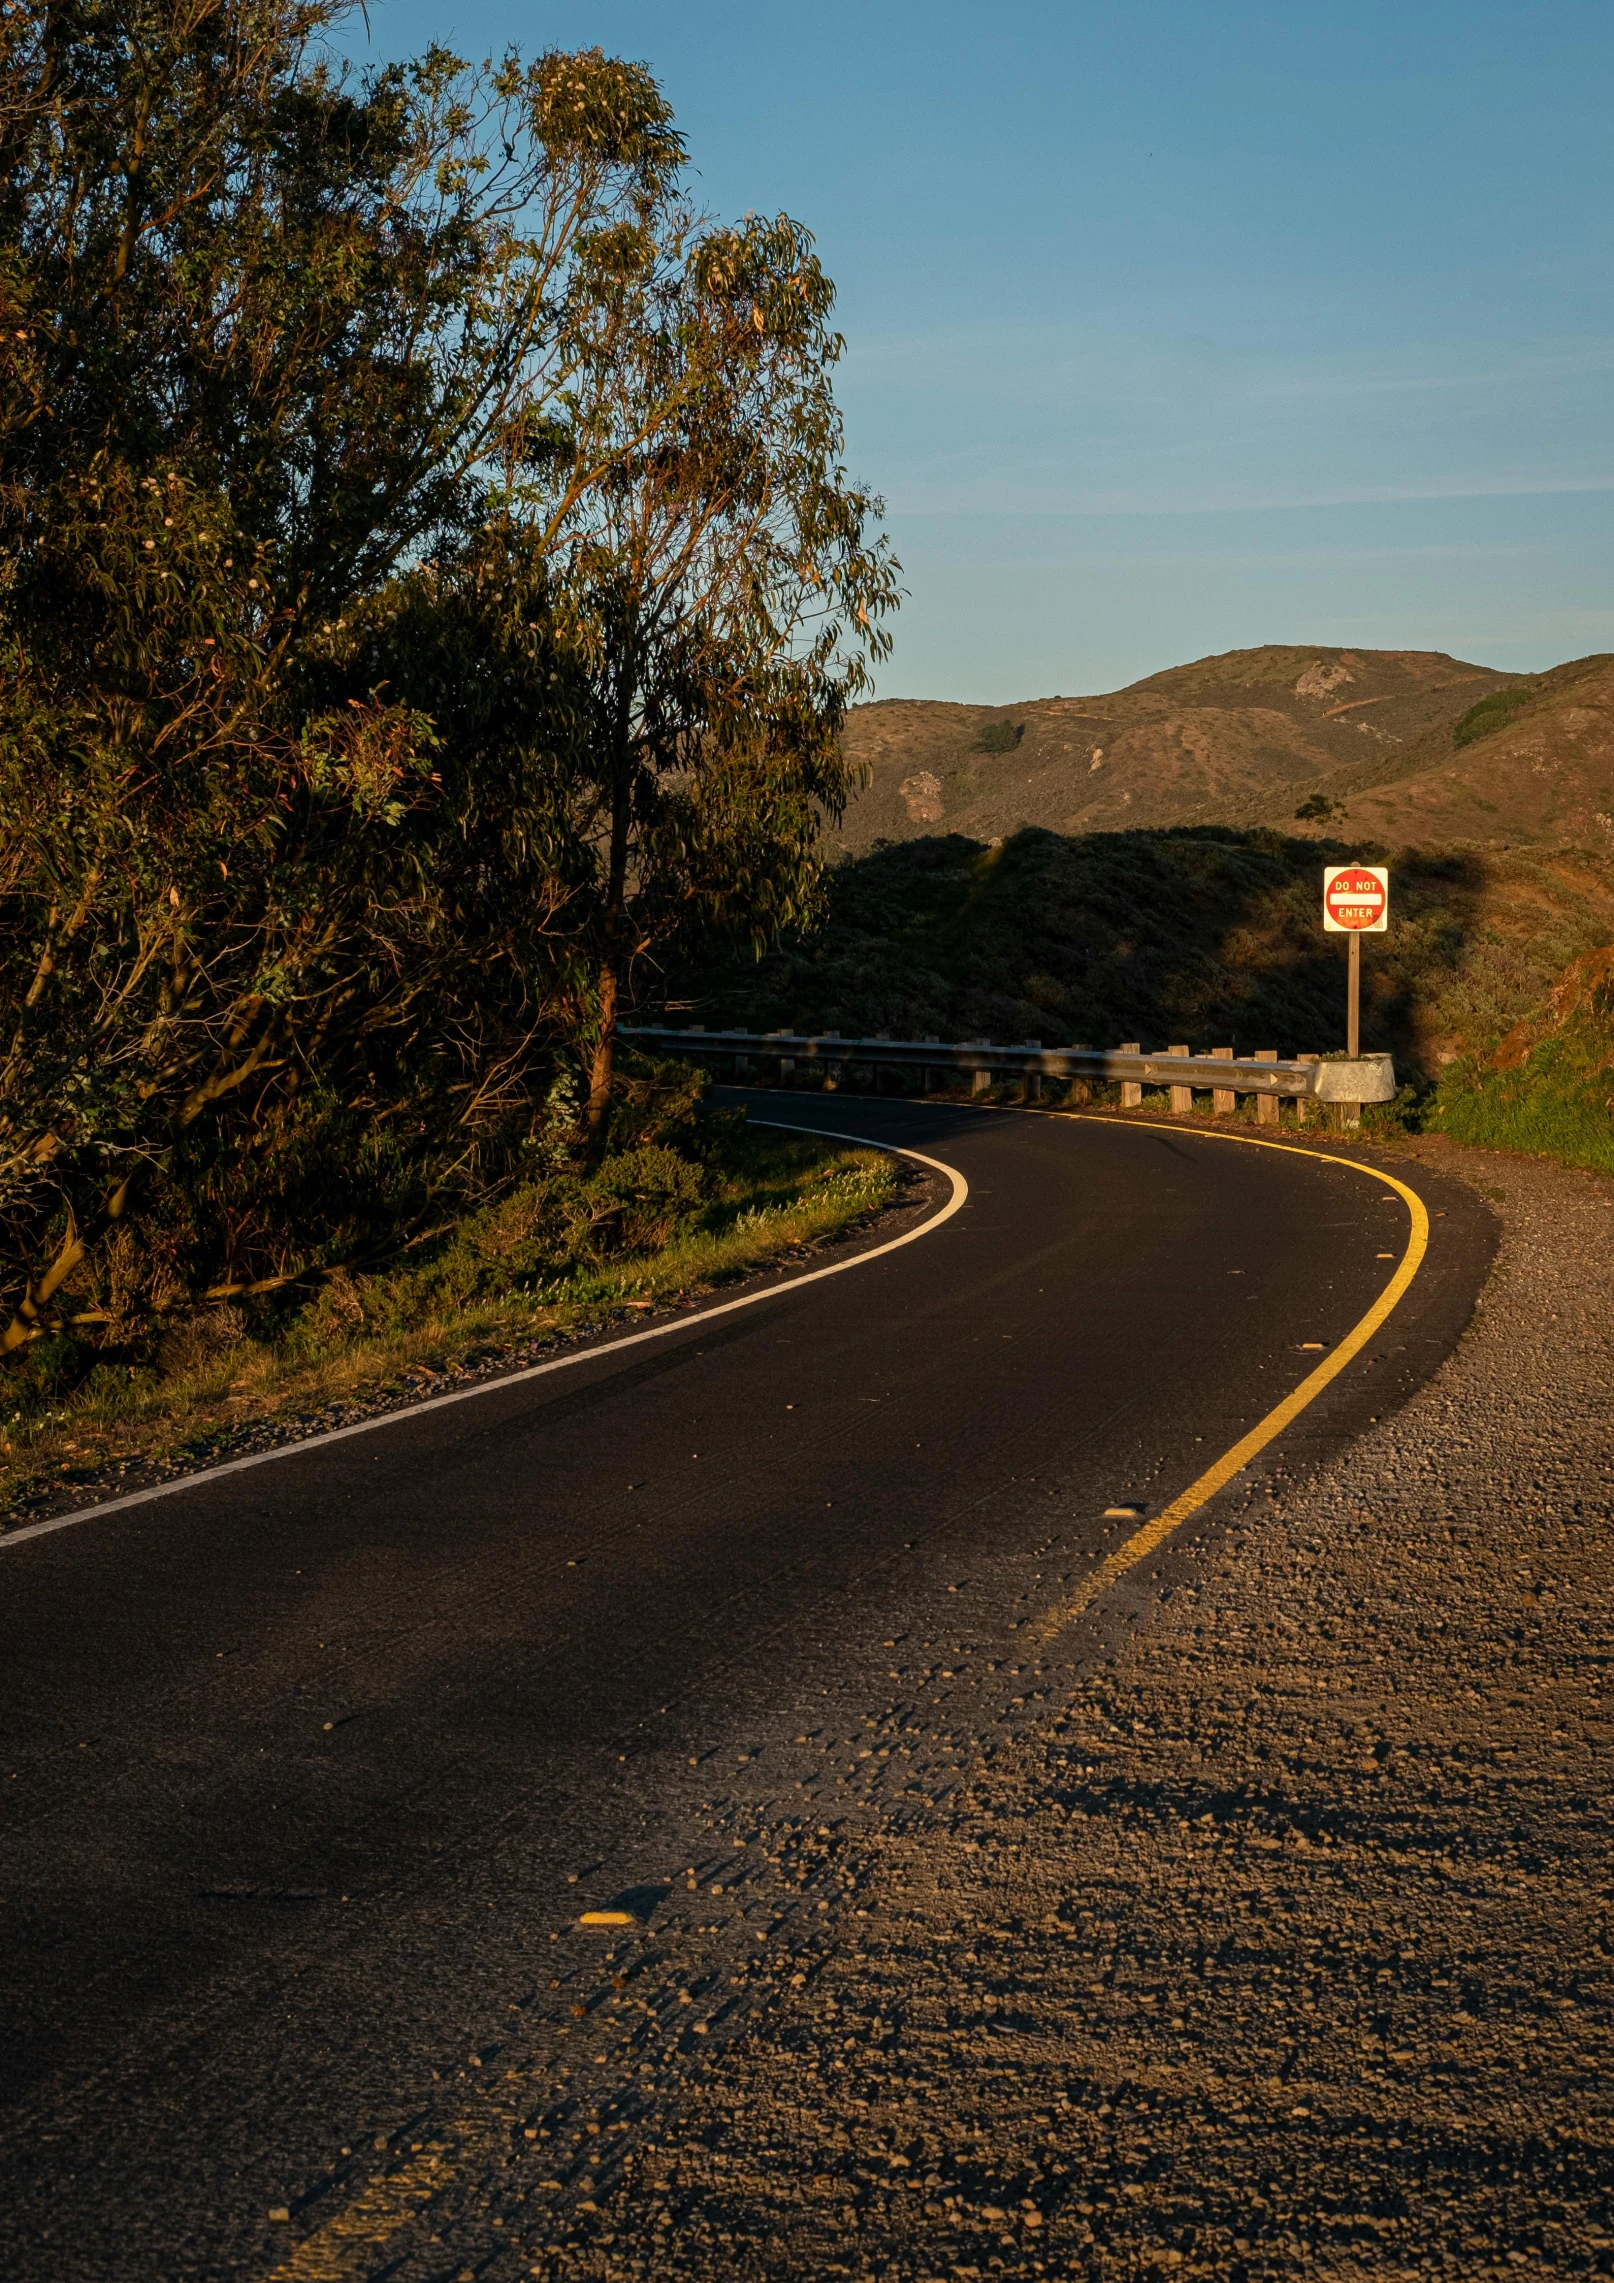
x=1272, y=1933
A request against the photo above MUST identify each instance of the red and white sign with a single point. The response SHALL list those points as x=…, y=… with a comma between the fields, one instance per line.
x=1356, y=899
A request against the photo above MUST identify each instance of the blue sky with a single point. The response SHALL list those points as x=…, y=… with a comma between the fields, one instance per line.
x=1175, y=328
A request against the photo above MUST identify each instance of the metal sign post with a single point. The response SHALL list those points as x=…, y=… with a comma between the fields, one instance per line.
x=1356, y=902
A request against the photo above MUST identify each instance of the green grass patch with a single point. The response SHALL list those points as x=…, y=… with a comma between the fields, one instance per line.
x=1548, y=1088
x=1557, y=1107
x=1493, y=712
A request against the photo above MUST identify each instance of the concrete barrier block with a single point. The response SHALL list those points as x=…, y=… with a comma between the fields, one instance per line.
x=1371, y=1079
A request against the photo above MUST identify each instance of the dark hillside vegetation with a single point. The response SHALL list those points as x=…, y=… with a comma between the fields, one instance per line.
x=1494, y=712
x=1208, y=937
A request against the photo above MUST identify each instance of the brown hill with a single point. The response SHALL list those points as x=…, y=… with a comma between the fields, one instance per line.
x=1247, y=738
x=1541, y=771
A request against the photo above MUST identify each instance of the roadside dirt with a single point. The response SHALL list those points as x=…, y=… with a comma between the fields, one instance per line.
x=1274, y=1935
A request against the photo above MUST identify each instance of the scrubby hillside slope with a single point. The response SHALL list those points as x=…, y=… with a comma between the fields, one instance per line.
x=1535, y=763
x=1230, y=739
x=1548, y=1086
x=1209, y=937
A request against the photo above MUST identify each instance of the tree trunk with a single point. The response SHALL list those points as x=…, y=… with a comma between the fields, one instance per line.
x=599, y=1076
x=616, y=896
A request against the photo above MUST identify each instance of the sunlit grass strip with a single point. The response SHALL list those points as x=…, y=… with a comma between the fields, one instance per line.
x=1558, y=1106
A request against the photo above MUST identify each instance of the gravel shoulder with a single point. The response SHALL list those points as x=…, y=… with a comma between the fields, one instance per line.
x=1263, y=1925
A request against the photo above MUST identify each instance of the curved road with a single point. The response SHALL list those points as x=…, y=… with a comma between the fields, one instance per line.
x=305, y=1762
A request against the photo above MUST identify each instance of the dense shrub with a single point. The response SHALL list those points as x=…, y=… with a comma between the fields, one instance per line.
x=1493, y=712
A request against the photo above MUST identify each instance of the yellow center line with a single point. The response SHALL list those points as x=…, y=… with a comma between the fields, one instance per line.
x=346, y=2245
x=1216, y=1477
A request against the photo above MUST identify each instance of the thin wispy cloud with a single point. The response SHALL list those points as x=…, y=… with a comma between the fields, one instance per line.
x=1117, y=507
x=1169, y=261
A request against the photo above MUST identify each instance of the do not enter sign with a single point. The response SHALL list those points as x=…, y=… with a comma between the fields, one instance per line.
x=1356, y=899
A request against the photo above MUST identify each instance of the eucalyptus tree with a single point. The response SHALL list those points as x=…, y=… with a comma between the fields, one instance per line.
x=428, y=586
x=273, y=339
x=722, y=590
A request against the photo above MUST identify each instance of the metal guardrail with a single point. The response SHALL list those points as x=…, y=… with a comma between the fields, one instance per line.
x=1307, y=1077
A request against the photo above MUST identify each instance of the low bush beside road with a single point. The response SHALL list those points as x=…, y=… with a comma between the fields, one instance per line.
x=1548, y=1087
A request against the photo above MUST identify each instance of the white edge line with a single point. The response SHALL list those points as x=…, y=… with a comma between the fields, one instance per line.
x=961, y=1190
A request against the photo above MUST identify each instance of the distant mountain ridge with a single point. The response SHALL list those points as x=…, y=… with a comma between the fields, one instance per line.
x=1249, y=737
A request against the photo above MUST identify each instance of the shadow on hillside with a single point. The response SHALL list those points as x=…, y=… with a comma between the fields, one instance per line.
x=1205, y=936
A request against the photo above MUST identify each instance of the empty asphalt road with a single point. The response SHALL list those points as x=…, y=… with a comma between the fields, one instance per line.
x=306, y=1766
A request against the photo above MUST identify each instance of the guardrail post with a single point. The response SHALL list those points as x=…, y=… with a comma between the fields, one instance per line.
x=832, y=1070
x=1182, y=1097
x=927, y=1076
x=1302, y=1103
x=980, y=1081
x=1131, y=1089
x=1033, y=1084
x=1223, y=1101
x=1266, y=1105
